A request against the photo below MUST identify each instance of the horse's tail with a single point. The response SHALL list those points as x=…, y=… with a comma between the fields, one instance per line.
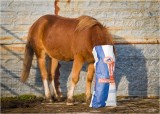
x=27, y=62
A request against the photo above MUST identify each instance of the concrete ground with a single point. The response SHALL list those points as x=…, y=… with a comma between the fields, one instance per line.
x=124, y=105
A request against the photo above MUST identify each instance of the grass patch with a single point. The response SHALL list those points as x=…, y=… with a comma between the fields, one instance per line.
x=19, y=101
x=79, y=97
x=24, y=101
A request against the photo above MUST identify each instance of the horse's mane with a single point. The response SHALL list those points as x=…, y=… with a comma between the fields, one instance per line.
x=86, y=22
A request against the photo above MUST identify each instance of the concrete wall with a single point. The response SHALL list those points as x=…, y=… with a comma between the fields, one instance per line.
x=133, y=24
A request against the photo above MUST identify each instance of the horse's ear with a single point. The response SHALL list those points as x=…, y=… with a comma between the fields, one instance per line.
x=106, y=29
x=103, y=25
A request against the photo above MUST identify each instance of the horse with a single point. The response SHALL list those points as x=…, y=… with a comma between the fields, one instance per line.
x=64, y=39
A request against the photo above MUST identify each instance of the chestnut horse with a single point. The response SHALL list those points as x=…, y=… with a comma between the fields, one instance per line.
x=65, y=39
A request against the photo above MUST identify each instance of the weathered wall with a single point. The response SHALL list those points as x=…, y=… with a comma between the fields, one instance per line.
x=133, y=24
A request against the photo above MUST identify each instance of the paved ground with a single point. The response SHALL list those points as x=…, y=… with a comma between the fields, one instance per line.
x=125, y=105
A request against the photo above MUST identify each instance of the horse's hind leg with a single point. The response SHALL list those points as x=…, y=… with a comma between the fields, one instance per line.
x=77, y=65
x=54, y=78
x=56, y=81
x=44, y=75
x=89, y=79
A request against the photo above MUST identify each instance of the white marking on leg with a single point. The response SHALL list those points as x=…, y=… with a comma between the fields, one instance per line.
x=71, y=92
x=60, y=92
x=46, y=88
x=54, y=89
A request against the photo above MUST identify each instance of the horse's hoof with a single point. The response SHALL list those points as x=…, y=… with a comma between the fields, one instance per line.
x=70, y=102
x=47, y=101
x=88, y=100
x=59, y=99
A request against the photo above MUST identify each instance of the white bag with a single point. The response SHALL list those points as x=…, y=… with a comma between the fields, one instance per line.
x=105, y=90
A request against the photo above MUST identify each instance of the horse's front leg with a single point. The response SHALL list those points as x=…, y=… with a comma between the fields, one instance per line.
x=89, y=79
x=77, y=65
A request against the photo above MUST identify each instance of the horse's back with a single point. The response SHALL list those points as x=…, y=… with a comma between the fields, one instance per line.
x=54, y=34
x=49, y=21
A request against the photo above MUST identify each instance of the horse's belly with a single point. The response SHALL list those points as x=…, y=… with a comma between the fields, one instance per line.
x=60, y=55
